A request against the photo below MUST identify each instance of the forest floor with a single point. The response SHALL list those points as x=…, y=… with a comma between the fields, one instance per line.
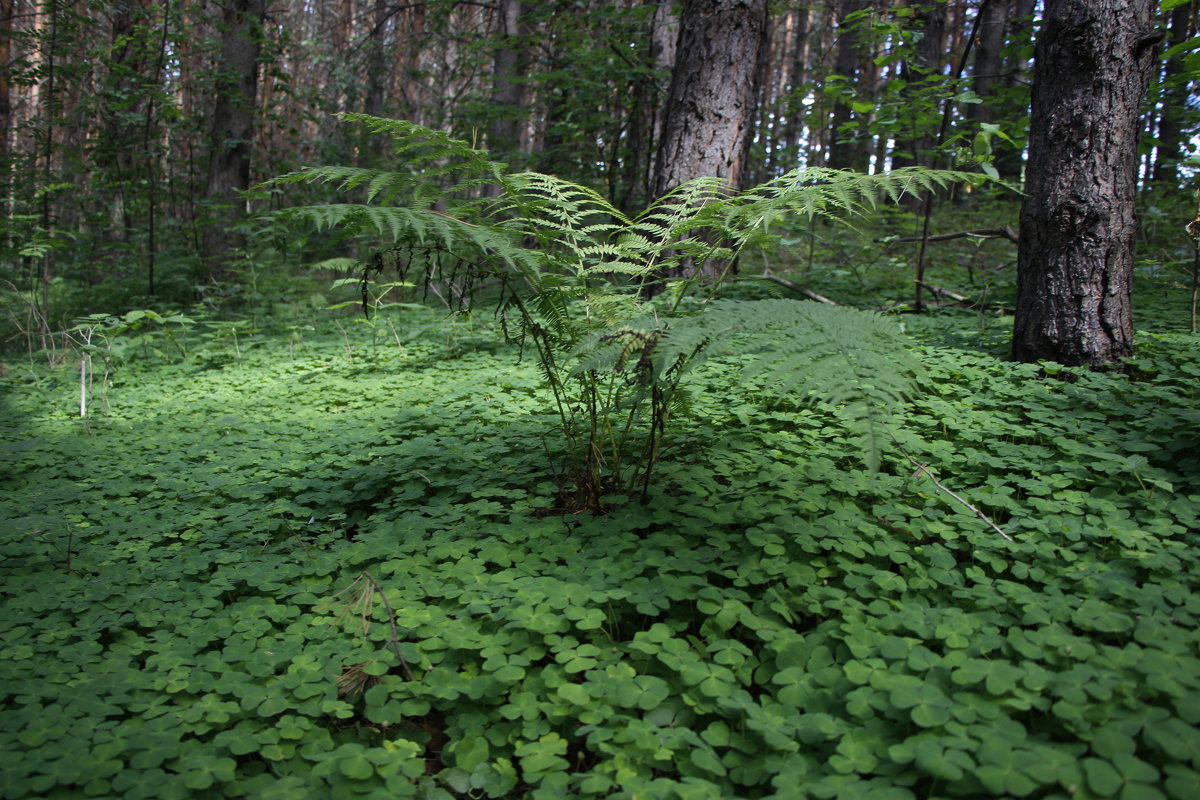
x=209, y=584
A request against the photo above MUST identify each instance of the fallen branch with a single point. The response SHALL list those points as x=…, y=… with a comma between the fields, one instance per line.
x=960, y=300
x=923, y=469
x=795, y=287
x=395, y=640
x=980, y=233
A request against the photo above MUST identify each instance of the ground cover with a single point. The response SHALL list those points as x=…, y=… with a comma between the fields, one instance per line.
x=192, y=590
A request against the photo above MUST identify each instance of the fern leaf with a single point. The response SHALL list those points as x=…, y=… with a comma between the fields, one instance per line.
x=854, y=360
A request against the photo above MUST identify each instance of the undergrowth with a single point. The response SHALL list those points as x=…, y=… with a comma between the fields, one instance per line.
x=192, y=610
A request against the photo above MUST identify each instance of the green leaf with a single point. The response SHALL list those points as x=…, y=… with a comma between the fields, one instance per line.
x=1102, y=777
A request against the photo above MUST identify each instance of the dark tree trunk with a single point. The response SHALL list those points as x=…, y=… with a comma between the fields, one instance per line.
x=711, y=103
x=645, y=121
x=1075, y=257
x=1174, y=98
x=1009, y=160
x=508, y=94
x=989, y=44
x=123, y=112
x=846, y=151
x=232, y=132
x=6, y=121
x=378, y=68
x=927, y=60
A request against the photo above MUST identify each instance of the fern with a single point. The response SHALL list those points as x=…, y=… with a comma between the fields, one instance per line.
x=570, y=266
x=854, y=360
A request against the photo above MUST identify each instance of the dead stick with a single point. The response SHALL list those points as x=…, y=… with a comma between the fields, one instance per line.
x=923, y=469
x=942, y=291
x=809, y=293
x=982, y=233
x=395, y=641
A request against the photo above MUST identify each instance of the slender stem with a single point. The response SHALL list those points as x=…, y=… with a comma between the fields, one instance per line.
x=923, y=469
x=395, y=640
x=947, y=108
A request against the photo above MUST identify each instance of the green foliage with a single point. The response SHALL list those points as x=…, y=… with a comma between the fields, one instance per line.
x=772, y=622
x=577, y=293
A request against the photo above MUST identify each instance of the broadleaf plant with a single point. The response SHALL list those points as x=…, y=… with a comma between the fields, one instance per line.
x=574, y=275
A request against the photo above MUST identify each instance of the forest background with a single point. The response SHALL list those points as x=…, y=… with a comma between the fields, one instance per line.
x=132, y=133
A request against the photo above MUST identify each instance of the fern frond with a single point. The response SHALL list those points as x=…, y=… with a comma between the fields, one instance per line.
x=855, y=360
x=339, y=264
x=827, y=193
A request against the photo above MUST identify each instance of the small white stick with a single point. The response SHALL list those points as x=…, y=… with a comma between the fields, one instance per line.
x=923, y=470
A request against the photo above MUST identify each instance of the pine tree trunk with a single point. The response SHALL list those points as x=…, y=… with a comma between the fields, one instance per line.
x=927, y=60
x=645, y=119
x=6, y=116
x=1010, y=160
x=845, y=150
x=378, y=66
x=507, y=91
x=1075, y=257
x=232, y=131
x=711, y=104
x=989, y=45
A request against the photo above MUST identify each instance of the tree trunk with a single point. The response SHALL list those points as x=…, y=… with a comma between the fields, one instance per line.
x=645, y=121
x=507, y=91
x=989, y=44
x=1010, y=160
x=846, y=151
x=232, y=131
x=378, y=68
x=1075, y=257
x=794, y=110
x=6, y=120
x=927, y=59
x=711, y=103
x=1176, y=84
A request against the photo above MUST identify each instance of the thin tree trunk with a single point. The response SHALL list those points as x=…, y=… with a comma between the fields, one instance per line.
x=846, y=149
x=1010, y=160
x=6, y=116
x=1075, y=257
x=1176, y=85
x=645, y=119
x=378, y=68
x=508, y=94
x=989, y=46
x=232, y=132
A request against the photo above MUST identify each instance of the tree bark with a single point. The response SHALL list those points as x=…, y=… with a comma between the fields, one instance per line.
x=645, y=120
x=1010, y=160
x=232, y=131
x=927, y=59
x=989, y=44
x=1075, y=257
x=378, y=66
x=507, y=91
x=711, y=103
x=6, y=116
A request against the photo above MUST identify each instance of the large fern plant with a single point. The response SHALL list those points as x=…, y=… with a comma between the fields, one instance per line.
x=572, y=270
